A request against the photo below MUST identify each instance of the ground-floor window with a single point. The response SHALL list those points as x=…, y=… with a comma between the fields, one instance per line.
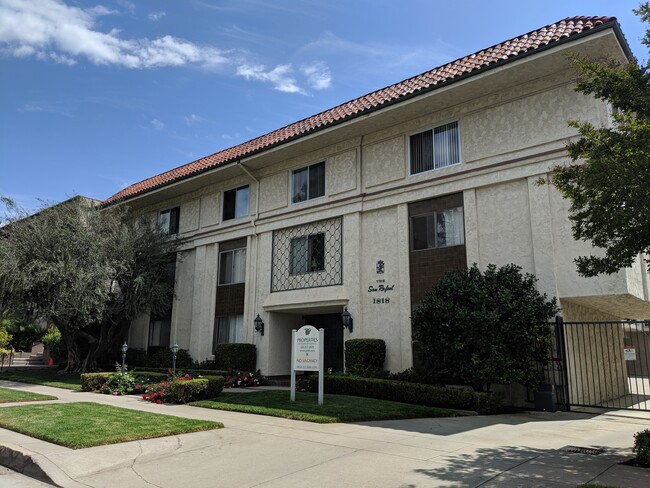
x=229, y=328
x=159, y=332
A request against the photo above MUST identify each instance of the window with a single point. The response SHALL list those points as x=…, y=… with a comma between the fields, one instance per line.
x=229, y=328
x=307, y=254
x=169, y=220
x=435, y=148
x=235, y=203
x=159, y=332
x=309, y=182
x=232, y=266
x=441, y=229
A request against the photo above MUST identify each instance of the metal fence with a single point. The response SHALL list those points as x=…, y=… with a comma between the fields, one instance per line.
x=600, y=364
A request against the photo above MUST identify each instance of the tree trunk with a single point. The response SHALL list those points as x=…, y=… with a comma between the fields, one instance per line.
x=68, y=336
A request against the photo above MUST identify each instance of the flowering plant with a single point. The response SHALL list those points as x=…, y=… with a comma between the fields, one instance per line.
x=157, y=393
x=165, y=392
x=118, y=384
x=237, y=379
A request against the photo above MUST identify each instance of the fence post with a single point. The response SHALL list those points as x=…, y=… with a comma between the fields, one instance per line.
x=561, y=348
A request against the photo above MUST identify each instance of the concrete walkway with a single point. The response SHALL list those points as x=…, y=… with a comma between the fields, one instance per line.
x=522, y=450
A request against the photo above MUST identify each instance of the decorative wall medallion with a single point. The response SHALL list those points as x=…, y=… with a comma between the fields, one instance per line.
x=380, y=267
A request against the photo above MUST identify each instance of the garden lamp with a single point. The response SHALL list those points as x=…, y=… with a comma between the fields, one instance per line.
x=174, y=352
x=125, y=348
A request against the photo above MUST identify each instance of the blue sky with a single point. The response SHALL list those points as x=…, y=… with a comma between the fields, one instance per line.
x=97, y=95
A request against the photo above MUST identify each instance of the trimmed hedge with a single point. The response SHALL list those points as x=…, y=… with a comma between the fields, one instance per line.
x=208, y=386
x=416, y=393
x=365, y=357
x=94, y=381
x=237, y=356
x=196, y=389
x=191, y=371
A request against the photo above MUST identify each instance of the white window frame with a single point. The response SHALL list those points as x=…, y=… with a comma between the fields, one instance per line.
x=223, y=201
x=433, y=128
x=243, y=280
x=435, y=223
x=291, y=179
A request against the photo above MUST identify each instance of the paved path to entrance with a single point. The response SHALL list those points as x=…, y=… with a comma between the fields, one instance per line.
x=522, y=450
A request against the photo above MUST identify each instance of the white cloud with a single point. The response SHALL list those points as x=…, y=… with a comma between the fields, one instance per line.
x=318, y=75
x=157, y=124
x=156, y=16
x=280, y=76
x=193, y=119
x=49, y=29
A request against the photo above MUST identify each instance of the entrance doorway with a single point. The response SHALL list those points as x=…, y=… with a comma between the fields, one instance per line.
x=331, y=323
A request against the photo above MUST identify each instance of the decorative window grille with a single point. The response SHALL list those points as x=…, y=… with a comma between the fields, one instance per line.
x=308, y=256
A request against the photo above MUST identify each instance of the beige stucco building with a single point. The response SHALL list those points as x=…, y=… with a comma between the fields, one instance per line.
x=365, y=205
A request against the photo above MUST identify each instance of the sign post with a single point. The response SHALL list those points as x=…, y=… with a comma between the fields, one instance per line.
x=307, y=354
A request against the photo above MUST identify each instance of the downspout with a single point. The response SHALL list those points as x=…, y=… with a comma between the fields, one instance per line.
x=257, y=247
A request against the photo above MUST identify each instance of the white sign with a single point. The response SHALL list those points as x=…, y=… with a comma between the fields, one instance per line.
x=629, y=353
x=307, y=354
x=307, y=349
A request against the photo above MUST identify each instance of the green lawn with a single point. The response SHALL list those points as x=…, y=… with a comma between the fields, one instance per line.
x=335, y=408
x=45, y=377
x=8, y=395
x=85, y=424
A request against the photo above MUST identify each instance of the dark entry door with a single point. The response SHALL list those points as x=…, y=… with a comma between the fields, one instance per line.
x=331, y=322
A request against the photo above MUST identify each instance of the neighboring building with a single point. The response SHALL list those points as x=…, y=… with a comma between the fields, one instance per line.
x=367, y=204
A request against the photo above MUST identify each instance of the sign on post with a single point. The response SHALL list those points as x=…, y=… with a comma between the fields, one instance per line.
x=307, y=354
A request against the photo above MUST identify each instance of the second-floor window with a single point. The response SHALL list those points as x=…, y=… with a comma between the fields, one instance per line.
x=169, y=220
x=434, y=148
x=232, y=267
x=235, y=203
x=307, y=254
x=439, y=229
x=308, y=183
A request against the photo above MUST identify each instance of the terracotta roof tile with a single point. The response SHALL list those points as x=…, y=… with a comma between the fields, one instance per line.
x=428, y=80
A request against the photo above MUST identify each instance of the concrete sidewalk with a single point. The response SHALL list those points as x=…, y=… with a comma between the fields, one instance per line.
x=522, y=450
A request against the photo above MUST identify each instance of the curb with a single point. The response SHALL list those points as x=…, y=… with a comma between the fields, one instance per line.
x=22, y=461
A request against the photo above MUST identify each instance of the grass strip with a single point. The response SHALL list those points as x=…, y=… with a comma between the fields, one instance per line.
x=86, y=424
x=43, y=377
x=7, y=395
x=335, y=408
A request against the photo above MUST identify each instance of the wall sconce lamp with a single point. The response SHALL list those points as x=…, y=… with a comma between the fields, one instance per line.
x=259, y=324
x=346, y=318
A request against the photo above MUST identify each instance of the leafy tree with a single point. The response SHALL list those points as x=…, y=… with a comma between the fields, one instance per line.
x=610, y=190
x=483, y=328
x=87, y=270
x=24, y=332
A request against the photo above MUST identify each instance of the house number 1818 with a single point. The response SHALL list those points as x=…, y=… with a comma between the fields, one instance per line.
x=381, y=300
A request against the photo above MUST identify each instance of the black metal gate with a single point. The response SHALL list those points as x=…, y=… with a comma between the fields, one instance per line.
x=601, y=364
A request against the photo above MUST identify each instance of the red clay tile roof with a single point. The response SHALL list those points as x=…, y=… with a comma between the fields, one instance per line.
x=429, y=80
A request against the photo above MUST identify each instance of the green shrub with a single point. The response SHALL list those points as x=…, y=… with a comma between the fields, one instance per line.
x=163, y=358
x=419, y=394
x=642, y=447
x=365, y=357
x=184, y=389
x=52, y=340
x=94, y=381
x=182, y=371
x=136, y=357
x=118, y=383
x=240, y=357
